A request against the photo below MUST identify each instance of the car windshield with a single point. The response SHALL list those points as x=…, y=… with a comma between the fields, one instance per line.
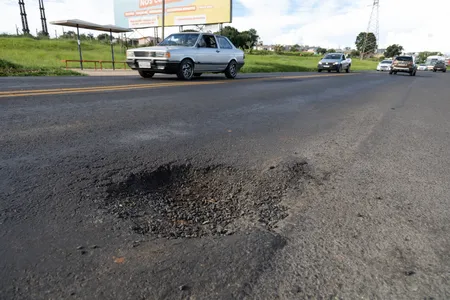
x=404, y=58
x=431, y=62
x=332, y=56
x=386, y=62
x=180, y=39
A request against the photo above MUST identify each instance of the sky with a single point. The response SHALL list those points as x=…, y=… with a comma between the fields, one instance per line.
x=325, y=23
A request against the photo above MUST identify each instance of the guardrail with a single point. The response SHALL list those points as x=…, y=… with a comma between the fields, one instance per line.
x=100, y=62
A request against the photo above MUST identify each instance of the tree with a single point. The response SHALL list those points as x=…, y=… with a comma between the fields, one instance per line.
x=69, y=35
x=42, y=35
x=370, y=45
x=331, y=50
x=321, y=50
x=393, y=50
x=103, y=37
x=249, y=38
x=245, y=39
x=231, y=33
x=278, y=48
x=355, y=53
x=294, y=48
x=422, y=57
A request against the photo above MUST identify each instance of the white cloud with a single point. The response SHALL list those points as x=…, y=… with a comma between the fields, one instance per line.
x=326, y=23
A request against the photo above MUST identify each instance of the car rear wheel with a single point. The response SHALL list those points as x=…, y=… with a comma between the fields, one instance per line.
x=146, y=74
x=231, y=70
x=186, y=69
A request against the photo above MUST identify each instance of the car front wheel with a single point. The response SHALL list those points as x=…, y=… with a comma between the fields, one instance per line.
x=186, y=69
x=348, y=69
x=231, y=70
x=146, y=74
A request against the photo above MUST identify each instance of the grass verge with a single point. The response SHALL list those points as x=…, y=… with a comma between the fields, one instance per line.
x=12, y=69
x=281, y=63
x=21, y=56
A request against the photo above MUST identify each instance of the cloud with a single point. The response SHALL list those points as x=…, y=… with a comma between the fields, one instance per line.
x=325, y=23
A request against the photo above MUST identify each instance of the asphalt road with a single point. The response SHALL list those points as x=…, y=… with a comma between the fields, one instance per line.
x=312, y=187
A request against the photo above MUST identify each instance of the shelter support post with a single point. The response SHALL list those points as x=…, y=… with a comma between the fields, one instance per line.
x=163, y=17
x=112, y=48
x=79, y=47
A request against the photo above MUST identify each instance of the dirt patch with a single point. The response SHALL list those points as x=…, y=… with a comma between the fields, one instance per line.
x=184, y=201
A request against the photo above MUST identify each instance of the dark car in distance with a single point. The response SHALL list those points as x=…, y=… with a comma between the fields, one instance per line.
x=440, y=66
x=404, y=64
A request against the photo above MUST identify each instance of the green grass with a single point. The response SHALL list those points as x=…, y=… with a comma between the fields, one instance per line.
x=50, y=53
x=8, y=68
x=282, y=63
x=29, y=56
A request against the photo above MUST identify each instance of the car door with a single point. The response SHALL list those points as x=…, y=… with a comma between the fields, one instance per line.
x=226, y=51
x=344, y=62
x=208, y=54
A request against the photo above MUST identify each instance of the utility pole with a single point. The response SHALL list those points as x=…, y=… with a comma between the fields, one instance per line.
x=374, y=28
x=23, y=16
x=43, y=19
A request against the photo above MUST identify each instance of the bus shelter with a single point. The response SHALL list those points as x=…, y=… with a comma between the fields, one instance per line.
x=76, y=23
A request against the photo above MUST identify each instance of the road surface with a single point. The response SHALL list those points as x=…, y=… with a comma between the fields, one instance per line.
x=282, y=186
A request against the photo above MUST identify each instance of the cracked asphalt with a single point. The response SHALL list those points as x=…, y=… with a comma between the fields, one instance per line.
x=370, y=221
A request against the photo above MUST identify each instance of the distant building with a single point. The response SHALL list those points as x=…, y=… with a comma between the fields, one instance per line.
x=264, y=47
x=380, y=51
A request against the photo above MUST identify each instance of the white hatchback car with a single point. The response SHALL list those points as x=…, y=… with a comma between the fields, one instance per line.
x=384, y=65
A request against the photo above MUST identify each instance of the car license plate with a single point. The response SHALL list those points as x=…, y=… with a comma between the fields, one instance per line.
x=145, y=64
x=325, y=66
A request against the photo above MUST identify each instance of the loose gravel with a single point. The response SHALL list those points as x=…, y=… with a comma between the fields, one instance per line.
x=182, y=201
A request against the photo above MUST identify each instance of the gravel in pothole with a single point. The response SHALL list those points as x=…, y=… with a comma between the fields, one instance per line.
x=184, y=201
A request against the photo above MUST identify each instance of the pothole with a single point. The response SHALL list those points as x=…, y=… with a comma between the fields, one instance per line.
x=185, y=201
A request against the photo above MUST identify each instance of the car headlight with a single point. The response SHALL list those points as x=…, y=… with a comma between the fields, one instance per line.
x=320, y=62
x=336, y=63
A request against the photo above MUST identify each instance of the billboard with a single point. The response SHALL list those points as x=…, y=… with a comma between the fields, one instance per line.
x=148, y=13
